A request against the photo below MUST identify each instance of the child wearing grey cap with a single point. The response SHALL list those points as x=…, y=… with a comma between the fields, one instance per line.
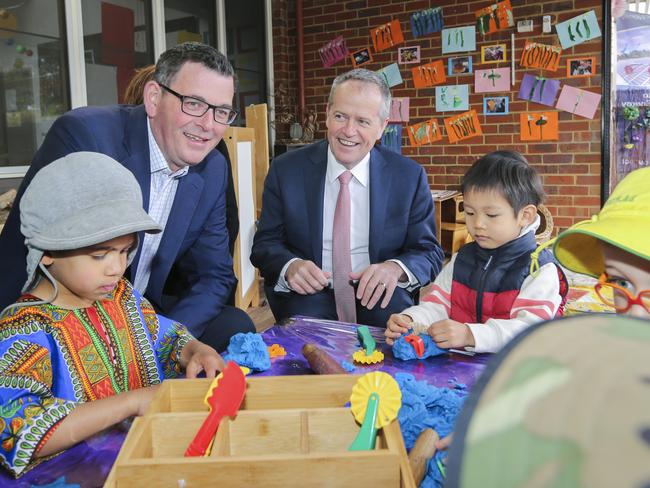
x=82, y=350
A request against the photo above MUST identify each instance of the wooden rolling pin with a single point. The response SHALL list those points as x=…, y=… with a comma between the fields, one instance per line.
x=320, y=361
x=423, y=450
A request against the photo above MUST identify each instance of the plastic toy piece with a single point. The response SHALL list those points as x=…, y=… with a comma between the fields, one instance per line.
x=376, y=397
x=276, y=350
x=417, y=343
x=365, y=339
x=224, y=398
x=360, y=356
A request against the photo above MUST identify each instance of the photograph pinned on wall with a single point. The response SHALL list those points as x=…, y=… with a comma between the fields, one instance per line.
x=392, y=138
x=539, y=89
x=463, y=126
x=492, y=80
x=494, y=53
x=391, y=74
x=458, y=39
x=424, y=133
x=361, y=57
x=495, y=17
x=579, y=102
x=451, y=98
x=399, y=109
x=577, y=30
x=408, y=55
x=429, y=74
x=427, y=22
x=543, y=56
x=496, y=105
x=333, y=52
x=461, y=65
x=538, y=126
x=386, y=36
x=581, y=67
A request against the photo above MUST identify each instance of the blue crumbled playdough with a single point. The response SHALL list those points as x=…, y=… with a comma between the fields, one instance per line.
x=349, y=367
x=404, y=351
x=248, y=350
x=426, y=406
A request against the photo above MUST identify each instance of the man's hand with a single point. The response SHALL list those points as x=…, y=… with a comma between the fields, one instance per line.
x=305, y=278
x=398, y=324
x=197, y=357
x=377, y=280
x=448, y=334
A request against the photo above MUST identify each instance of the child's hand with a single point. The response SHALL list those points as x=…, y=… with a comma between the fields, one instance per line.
x=141, y=398
x=197, y=357
x=448, y=334
x=398, y=324
x=444, y=443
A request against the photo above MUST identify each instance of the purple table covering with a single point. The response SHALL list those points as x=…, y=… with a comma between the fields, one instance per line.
x=87, y=464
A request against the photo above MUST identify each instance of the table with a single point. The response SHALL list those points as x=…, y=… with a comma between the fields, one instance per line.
x=87, y=464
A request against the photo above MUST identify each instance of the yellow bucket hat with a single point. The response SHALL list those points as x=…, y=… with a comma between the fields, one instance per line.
x=624, y=222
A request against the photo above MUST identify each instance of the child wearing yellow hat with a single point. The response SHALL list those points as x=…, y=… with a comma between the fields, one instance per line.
x=614, y=246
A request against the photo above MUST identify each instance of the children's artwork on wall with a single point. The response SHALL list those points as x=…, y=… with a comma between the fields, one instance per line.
x=429, y=74
x=493, y=54
x=392, y=138
x=539, y=89
x=461, y=65
x=544, y=56
x=580, y=67
x=333, y=52
x=386, y=36
x=391, y=74
x=492, y=80
x=424, y=133
x=496, y=105
x=494, y=18
x=538, y=126
x=458, y=39
x=408, y=55
x=452, y=98
x=463, y=126
x=577, y=30
x=399, y=109
x=426, y=22
x=577, y=101
x=361, y=57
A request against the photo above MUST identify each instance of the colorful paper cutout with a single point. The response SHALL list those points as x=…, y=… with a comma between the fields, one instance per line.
x=333, y=52
x=391, y=74
x=386, y=36
x=577, y=30
x=392, y=138
x=408, y=55
x=544, y=56
x=458, y=39
x=424, y=133
x=492, y=80
x=452, y=98
x=399, y=109
x=539, y=89
x=427, y=22
x=538, y=126
x=463, y=126
x=495, y=53
x=581, y=67
x=494, y=18
x=461, y=65
x=496, y=105
x=429, y=74
x=579, y=102
x=361, y=57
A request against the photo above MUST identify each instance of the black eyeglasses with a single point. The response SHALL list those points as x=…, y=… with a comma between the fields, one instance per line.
x=197, y=108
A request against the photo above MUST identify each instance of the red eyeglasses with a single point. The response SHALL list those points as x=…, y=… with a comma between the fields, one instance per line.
x=620, y=298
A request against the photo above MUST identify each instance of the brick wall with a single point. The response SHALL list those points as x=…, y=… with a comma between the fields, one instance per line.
x=570, y=167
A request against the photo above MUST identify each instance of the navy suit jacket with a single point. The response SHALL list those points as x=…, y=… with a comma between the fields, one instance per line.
x=191, y=274
x=402, y=224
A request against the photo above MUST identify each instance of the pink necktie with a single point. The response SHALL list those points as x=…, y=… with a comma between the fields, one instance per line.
x=341, y=261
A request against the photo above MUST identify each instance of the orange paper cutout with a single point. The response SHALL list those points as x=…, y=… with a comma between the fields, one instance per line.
x=463, y=126
x=494, y=18
x=538, y=126
x=424, y=133
x=429, y=74
x=544, y=56
x=386, y=35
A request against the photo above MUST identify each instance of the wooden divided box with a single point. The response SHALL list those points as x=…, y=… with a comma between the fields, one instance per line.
x=291, y=431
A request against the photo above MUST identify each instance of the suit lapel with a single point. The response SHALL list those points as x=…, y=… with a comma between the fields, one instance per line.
x=380, y=190
x=314, y=178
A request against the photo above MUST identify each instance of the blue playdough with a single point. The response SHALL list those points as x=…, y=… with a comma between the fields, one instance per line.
x=404, y=351
x=424, y=406
x=248, y=350
x=349, y=367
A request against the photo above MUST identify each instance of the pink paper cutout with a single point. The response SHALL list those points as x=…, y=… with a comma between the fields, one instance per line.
x=579, y=102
